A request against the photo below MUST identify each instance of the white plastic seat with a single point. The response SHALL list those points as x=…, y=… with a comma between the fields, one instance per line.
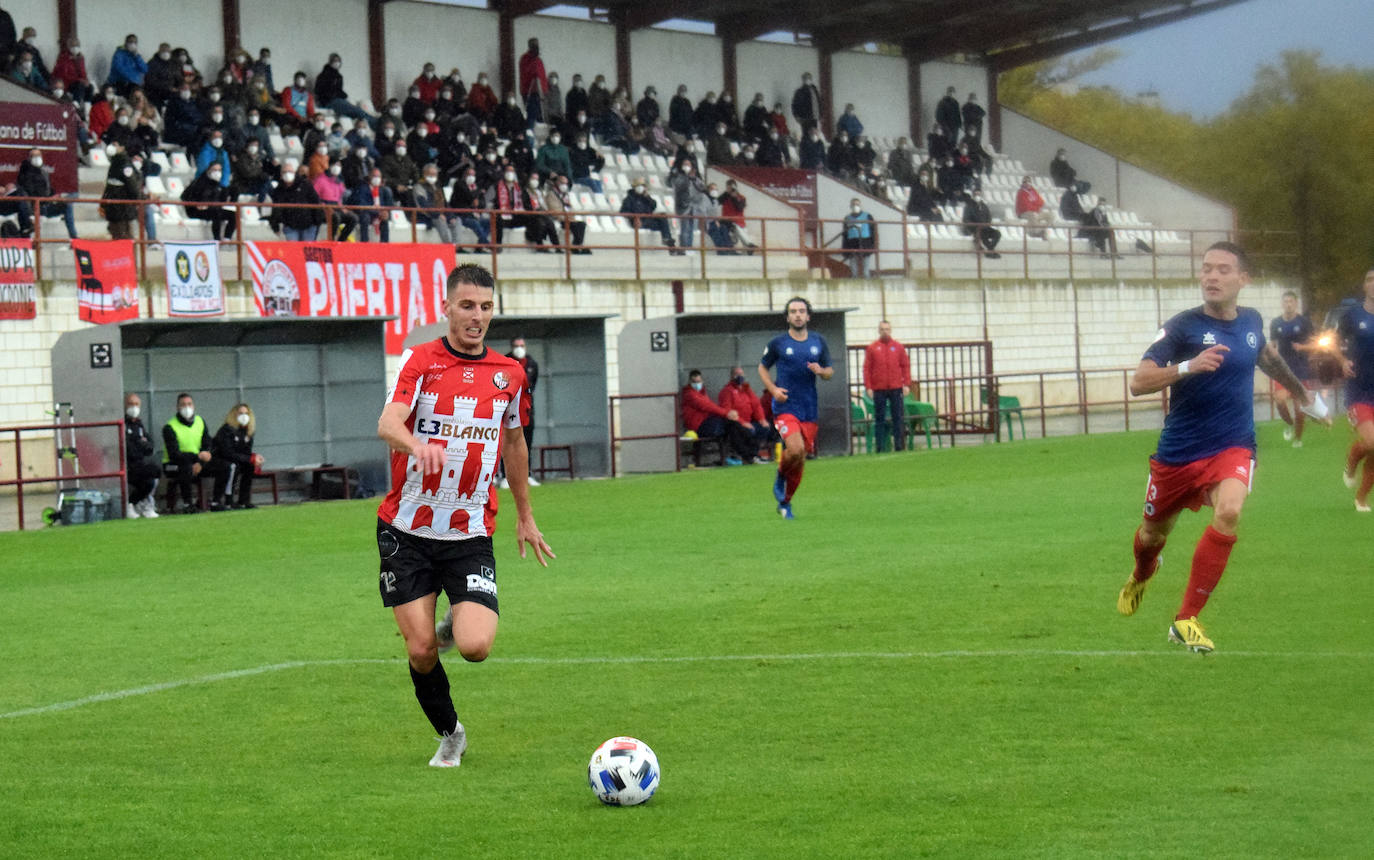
x=160, y=159
x=155, y=185
x=180, y=164
x=621, y=161
x=175, y=186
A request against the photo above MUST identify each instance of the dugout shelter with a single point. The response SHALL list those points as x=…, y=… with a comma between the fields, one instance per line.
x=570, y=396
x=316, y=385
x=655, y=356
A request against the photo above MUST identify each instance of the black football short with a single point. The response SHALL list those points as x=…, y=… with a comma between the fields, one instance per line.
x=412, y=567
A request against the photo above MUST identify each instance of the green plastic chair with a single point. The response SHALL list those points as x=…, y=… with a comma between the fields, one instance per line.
x=1006, y=407
x=921, y=417
x=861, y=421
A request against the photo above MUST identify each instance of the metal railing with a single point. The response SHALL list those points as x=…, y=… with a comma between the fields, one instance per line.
x=19, y=481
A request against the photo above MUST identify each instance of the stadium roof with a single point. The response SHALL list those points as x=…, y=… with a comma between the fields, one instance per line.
x=1008, y=33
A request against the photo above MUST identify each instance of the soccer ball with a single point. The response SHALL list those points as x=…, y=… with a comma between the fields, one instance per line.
x=623, y=772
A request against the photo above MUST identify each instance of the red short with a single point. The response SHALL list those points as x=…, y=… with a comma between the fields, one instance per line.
x=1173, y=488
x=789, y=424
x=1358, y=413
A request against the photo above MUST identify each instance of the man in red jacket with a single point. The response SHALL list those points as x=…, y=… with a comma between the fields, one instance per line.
x=534, y=82
x=1030, y=207
x=739, y=396
x=887, y=376
x=708, y=420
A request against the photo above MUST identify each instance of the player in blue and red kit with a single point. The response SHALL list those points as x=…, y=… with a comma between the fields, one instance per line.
x=1290, y=334
x=1356, y=330
x=799, y=356
x=1206, y=452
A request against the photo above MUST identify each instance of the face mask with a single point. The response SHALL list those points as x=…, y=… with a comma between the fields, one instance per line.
x=401, y=150
x=696, y=386
x=252, y=150
x=36, y=161
x=534, y=186
x=415, y=94
x=187, y=412
x=131, y=47
x=124, y=120
x=25, y=68
x=375, y=181
x=511, y=102
x=361, y=154
x=518, y=352
x=300, y=82
x=491, y=156
x=109, y=95
x=336, y=65
x=288, y=178
x=855, y=209
x=555, y=140
x=76, y=50
x=217, y=117
x=335, y=170
x=429, y=116
x=639, y=189
x=429, y=73
x=470, y=181
x=214, y=97
x=216, y=142
x=582, y=145
x=739, y=380
x=510, y=177
x=563, y=187
x=215, y=176
x=58, y=93
x=132, y=412
x=462, y=138
x=553, y=80
x=138, y=164
x=244, y=418
x=482, y=80
x=226, y=79
x=253, y=120
x=431, y=179
x=395, y=111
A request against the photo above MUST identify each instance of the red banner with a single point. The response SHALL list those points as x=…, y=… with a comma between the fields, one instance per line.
x=17, y=278
x=48, y=126
x=326, y=279
x=797, y=187
x=106, y=280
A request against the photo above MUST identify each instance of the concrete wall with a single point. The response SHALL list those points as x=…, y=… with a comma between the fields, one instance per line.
x=302, y=38
x=197, y=27
x=448, y=36
x=936, y=77
x=571, y=47
x=1127, y=186
x=877, y=86
x=774, y=70
x=42, y=16
x=664, y=59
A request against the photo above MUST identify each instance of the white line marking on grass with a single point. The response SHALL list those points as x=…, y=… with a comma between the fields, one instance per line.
x=700, y=658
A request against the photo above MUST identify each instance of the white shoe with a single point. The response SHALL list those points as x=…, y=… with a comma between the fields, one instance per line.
x=1349, y=478
x=503, y=484
x=147, y=508
x=451, y=748
x=1288, y=434
x=533, y=482
x=1362, y=507
x=130, y=512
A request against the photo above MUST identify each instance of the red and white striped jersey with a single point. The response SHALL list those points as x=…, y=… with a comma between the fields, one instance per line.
x=462, y=402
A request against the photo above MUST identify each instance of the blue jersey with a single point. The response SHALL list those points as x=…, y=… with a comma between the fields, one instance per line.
x=1286, y=335
x=791, y=357
x=1356, y=329
x=1209, y=412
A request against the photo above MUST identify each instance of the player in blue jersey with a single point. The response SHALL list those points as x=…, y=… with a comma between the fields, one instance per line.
x=1290, y=334
x=1206, y=452
x=1356, y=330
x=799, y=356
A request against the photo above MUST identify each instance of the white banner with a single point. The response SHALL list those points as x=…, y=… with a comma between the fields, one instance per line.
x=194, y=288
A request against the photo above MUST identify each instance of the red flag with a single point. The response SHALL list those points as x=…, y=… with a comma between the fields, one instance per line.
x=17, y=298
x=107, y=282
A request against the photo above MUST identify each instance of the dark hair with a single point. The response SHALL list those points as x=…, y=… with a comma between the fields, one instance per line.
x=1242, y=259
x=693, y=372
x=471, y=273
x=184, y=396
x=788, y=306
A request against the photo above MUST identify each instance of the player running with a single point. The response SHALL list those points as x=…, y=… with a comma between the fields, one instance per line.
x=800, y=357
x=449, y=416
x=1206, y=452
x=1356, y=330
x=1290, y=333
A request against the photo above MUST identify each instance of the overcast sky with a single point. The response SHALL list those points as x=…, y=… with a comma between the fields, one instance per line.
x=1202, y=64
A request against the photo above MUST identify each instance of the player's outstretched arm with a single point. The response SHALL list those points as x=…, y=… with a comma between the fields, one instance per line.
x=517, y=459
x=391, y=427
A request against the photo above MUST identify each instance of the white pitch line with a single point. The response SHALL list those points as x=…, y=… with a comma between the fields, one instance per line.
x=701, y=658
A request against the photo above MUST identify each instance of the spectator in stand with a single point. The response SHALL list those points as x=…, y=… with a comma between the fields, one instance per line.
x=732, y=206
x=329, y=187
x=361, y=137
x=586, y=161
x=538, y=225
x=70, y=71
x=647, y=109
x=639, y=203
x=482, y=100
x=900, y=165
x=737, y=395
x=102, y=113
x=718, y=152
x=812, y=153
x=233, y=459
x=841, y=160
x=208, y=191
x=598, y=98
x=469, y=194
x=189, y=73
x=213, y=153
x=705, y=116
x=319, y=160
x=297, y=104
x=330, y=93
x=558, y=200
x=32, y=181
x=256, y=131
x=25, y=71
x=122, y=132
x=658, y=140
x=142, y=471
x=922, y=200
x=553, y=102
x=576, y=100
x=186, y=446
x=938, y=144
x=262, y=70
x=849, y=123
x=553, y=158
x=972, y=114
x=229, y=131
x=414, y=107
x=948, y=113
x=757, y=121
x=980, y=158
x=508, y=120
x=429, y=199
x=952, y=181
x=428, y=83
x=1030, y=207
x=860, y=239
x=387, y=138
x=807, y=105
x=127, y=68
x=534, y=82
x=717, y=230
x=296, y=223
x=779, y=120
x=508, y=199
x=887, y=378
x=122, y=183
x=372, y=201
x=1071, y=208
x=1061, y=172
x=707, y=419
x=29, y=43
x=8, y=39
x=518, y=153
x=357, y=166
x=864, y=154
x=146, y=169
x=400, y=174
x=163, y=76
x=726, y=113
x=978, y=224
x=773, y=150
x=489, y=168
x=680, y=114
x=1099, y=230
x=250, y=174
x=689, y=200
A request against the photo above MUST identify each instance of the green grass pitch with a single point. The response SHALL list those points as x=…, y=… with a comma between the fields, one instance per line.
x=927, y=662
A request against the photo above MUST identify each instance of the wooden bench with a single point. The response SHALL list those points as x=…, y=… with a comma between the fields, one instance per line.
x=545, y=468
x=317, y=474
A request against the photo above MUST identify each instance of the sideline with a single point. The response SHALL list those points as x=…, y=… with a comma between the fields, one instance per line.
x=703, y=658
